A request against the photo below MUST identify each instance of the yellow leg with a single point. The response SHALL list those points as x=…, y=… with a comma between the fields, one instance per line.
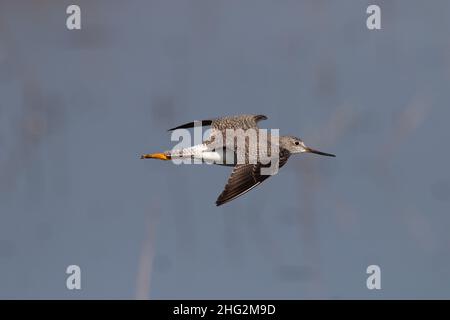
x=160, y=156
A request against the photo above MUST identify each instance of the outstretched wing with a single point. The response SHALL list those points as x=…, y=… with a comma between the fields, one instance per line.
x=245, y=121
x=193, y=124
x=244, y=178
x=219, y=127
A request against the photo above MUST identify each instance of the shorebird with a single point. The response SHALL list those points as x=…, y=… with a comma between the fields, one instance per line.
x=246, y=174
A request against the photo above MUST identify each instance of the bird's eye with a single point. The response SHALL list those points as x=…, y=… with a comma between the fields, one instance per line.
x=297, y=143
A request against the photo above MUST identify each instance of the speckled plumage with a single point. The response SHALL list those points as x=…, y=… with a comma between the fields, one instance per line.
x=245, y=175
x=221, y=138
x=249, y=166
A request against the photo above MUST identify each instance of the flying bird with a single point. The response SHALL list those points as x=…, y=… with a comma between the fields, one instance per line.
x=248, y=163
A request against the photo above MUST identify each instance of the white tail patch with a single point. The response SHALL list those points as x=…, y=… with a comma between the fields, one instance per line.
x=202, y=153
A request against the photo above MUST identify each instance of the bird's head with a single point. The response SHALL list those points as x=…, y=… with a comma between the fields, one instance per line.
x=296, y=145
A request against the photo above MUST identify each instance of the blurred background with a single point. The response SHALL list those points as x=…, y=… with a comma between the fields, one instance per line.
x=77, y=108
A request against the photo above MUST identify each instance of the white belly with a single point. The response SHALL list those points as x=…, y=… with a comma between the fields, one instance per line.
x=225, y=157
x=201, y=152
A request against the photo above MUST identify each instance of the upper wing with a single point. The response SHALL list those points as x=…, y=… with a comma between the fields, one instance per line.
x=245, y=121
x=193, y=124
x=220, y=125
x=244, y=178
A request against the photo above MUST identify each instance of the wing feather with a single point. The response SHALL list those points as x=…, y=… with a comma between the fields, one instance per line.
x=244, y=178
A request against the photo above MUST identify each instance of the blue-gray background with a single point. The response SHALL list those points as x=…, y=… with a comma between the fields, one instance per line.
x=78, y=107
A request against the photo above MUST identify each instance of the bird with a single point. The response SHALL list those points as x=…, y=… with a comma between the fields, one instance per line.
x=248, y=165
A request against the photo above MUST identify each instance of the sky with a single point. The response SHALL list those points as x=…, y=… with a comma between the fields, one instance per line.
x=78, y=107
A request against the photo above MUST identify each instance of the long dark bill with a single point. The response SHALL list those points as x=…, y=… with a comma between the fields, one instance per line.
x=319, y=152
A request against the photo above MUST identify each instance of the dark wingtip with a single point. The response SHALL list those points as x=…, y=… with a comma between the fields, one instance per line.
x=260, y=117
x=192, y=124
x=220, y=202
